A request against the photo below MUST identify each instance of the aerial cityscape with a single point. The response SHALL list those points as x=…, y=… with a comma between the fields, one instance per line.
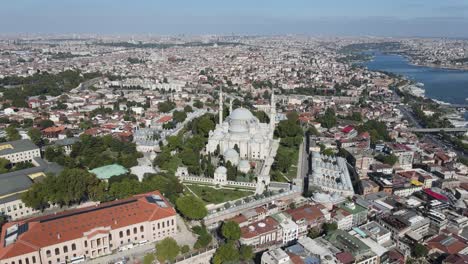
x=206, y=132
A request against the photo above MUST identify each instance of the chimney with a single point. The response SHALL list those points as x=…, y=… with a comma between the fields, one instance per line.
x=58, y=235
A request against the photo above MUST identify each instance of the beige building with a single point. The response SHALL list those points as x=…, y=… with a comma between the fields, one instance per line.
x=88, y=232
x=19, y=151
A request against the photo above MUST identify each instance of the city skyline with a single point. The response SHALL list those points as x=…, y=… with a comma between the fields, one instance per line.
x=333, y=18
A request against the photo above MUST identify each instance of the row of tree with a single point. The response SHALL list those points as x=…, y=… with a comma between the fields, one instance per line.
x=91, y=152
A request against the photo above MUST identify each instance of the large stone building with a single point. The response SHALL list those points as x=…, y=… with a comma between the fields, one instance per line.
x=88, y=232
x=242, y=131
x=330, y=174
x=19, y=151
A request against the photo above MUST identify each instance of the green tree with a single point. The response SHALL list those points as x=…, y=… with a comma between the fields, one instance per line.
x=4, y=163
x=387, y=159
x=167, y=250
x=46, y=123
x=419, y=251
x=198, y=104
x=328, y=120
x=12, y=133
x=329, y=227
x=313, y=131
x=166, y=106
x=231, y=230
x=313, y=233
x=149, y=258
x=246, y=253
x=328, y=152
x=226, y=253
x=191, y=207
x=262, y=116
x=179, y=116
x=185, y=249
x=188, y=109
x=204, y=238
x=36, y=136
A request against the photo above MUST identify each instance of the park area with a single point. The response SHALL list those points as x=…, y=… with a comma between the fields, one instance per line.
x=212, y=195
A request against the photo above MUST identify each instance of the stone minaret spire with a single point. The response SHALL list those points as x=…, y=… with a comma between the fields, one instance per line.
x=221, y=105
x=230, y=106
x=272, y=110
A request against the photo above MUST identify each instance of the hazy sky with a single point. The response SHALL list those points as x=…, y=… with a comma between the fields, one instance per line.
x=315, y=17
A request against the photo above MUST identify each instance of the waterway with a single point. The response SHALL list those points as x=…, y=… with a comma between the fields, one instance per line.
x=450, y=86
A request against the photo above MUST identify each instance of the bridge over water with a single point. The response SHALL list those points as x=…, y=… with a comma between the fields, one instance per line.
x=439, y=130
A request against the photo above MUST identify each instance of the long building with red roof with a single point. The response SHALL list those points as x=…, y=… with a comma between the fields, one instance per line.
x=88, y=232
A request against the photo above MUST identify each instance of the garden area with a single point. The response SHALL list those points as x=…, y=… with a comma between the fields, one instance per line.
x=211, y=195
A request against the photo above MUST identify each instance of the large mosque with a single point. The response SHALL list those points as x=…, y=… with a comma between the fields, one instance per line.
x=242, y=131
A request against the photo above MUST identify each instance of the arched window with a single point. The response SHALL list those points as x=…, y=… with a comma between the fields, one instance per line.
x=85, y=243
x=57, y=251
x=120, y=234
x=48, y=253
x=65, y=249
x=141, y=228
x=128, y=232
x=134, y=230
x=73, y=246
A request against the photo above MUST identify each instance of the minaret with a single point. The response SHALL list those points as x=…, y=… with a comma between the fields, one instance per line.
x=221, y=105
x=230, y=106
x=272, y=110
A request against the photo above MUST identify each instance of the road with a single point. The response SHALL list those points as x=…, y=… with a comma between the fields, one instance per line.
x=302, y=165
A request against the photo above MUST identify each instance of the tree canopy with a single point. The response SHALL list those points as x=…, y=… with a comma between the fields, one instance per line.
x=419, y=251
x=166, y=106
x=92, y=152
x=191, y=207
x=328, y=120
x=36, y=136
x=70, y=186
x=231, y=230
x=226, y=253
x=12, y=133
x=387, y=159
x=167, y=250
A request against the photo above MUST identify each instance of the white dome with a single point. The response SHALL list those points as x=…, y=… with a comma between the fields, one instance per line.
x=244, y=164
x=241, y=114
x=238, y=128
x=221, y=169
x=230, y=154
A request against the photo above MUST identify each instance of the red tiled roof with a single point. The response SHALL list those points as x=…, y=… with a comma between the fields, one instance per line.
x=68, y=225
x=447, y=243
x=345, y=257
x=239, y=219
x=308, y=212
x=258, y=228
x=57, y=129
x=164, y=119
x=347, y=129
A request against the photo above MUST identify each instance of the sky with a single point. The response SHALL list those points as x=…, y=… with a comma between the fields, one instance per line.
x=421, y=18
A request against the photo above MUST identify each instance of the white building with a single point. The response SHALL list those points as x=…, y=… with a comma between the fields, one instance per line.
x=330, y=174
x=243, y=131
x=19, y=151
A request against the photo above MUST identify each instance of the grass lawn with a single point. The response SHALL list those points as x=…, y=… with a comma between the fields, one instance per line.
x=292, y=172
x=212, y=195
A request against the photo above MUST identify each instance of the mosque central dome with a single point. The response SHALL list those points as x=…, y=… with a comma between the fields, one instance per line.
x=241, y=114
